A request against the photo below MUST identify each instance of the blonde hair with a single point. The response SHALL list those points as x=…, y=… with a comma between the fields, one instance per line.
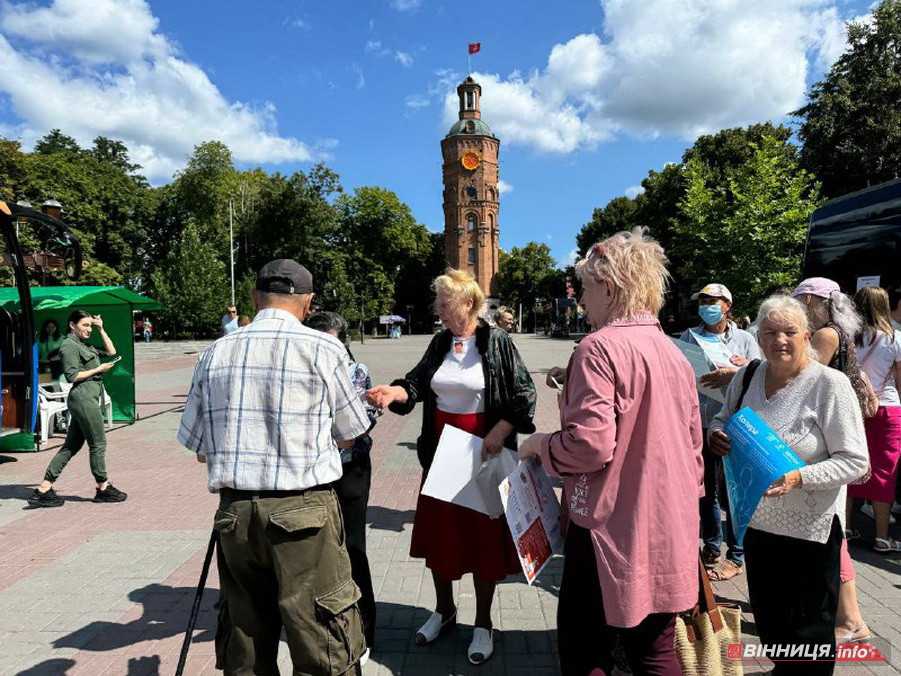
x=461, y=286
x=635, y=265
x=873, y=304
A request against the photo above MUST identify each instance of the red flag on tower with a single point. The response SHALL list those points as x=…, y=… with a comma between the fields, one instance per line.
x=474, y=47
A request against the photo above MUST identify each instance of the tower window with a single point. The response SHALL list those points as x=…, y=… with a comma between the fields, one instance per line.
x=472, y=256
x=470, y=100
x=471, y=222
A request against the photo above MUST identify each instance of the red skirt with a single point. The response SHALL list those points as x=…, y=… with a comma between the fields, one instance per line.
x=456, y=540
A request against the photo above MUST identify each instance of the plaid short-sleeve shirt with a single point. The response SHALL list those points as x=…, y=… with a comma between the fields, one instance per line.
x=267, y=403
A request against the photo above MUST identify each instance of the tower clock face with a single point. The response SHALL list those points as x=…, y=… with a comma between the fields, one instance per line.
x=470, y=161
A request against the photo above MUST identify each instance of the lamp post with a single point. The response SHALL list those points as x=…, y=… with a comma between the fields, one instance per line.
x=231, y=245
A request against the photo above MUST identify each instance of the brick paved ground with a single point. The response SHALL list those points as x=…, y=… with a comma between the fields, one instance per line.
x=106, y=589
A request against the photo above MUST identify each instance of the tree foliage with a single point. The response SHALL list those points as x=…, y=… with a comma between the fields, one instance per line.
x=191, y=286
x=747, y=228
x=851, y=125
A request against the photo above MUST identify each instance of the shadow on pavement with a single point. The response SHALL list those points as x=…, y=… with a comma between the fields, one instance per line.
x=144, y=666
x=6, y=458
x=531, y=652
x=23, y=492
x=383, y=518
x=55, y=667
x=165, y=614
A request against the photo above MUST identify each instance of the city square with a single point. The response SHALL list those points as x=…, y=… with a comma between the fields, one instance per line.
x=105, y=589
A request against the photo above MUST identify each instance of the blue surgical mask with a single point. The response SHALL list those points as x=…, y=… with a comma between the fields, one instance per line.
x=710, y=314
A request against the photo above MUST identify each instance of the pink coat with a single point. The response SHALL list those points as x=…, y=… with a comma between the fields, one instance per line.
x=629, y=450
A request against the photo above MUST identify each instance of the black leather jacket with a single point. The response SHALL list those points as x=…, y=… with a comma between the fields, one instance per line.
x=510, y=391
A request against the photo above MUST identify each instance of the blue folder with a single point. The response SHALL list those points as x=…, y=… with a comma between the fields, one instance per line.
x=758, y=457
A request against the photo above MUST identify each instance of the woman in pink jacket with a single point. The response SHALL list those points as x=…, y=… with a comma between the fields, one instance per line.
x=629, y=451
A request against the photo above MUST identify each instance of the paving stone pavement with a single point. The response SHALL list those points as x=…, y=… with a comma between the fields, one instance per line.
x=107, y=589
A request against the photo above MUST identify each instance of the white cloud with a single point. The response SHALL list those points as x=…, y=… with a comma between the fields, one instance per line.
x=403, y=58
x=95, y=31
x=299, y=23
x=503, y=187
x=417, y=101
x=571, y=258
x=375, y=47
x=665, y=67
x=406, y=5
x=69, y=70
x=633, y=191
x=361, y=79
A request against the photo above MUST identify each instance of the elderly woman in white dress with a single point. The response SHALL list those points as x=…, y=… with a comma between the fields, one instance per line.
x=792, y=543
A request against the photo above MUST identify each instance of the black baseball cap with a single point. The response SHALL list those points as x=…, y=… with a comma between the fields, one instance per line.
x=284, y=275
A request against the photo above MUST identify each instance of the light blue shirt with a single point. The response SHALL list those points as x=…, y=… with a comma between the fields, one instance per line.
x=738, y=342
x=229, y=324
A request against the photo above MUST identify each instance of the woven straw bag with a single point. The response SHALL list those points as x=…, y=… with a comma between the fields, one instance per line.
x=704, y=633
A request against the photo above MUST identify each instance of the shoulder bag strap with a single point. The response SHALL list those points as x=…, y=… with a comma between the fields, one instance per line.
x=746, y=380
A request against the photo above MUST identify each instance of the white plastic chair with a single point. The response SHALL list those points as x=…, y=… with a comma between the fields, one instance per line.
x=106, y=404
x=50, y=404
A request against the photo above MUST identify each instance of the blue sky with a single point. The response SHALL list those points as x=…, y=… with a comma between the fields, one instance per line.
x=586, y=96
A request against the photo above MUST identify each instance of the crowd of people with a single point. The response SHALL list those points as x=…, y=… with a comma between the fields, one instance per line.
x=281, y=413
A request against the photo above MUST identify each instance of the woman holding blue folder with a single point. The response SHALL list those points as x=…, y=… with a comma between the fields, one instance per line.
x=799, y=519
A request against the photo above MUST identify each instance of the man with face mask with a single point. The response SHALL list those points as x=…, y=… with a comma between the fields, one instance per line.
x=734, y=348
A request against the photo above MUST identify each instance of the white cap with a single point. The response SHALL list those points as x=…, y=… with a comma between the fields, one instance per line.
x=714, y=291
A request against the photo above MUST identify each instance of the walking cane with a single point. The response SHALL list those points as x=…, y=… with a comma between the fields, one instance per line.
x=192, y=621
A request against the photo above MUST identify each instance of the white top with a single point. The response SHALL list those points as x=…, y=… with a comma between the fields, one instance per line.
x=459, y=384
x=818, y=416
x=267, y=403
x=878, y=358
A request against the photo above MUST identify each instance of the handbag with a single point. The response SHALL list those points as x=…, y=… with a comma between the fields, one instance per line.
x=705, y=633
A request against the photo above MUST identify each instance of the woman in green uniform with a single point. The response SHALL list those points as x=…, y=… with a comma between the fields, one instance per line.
x=81, y=367
x=49, y=342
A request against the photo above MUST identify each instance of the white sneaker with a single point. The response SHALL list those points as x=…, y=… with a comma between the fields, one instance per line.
x=433, y=628
x=482, y=646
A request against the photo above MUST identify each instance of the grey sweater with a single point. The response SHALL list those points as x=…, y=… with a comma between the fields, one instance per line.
x=818, y=416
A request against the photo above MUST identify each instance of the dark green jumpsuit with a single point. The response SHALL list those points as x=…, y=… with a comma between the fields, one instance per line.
x=85, y=414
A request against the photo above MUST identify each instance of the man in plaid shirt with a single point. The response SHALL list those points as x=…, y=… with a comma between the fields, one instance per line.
x=268, y=408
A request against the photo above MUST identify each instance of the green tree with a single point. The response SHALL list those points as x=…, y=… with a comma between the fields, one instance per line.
x=13, y=172
x=619, y=214
x=56, y=142
x=525, y=275
x=192, y=286
x=851, y=125
x=746, y=229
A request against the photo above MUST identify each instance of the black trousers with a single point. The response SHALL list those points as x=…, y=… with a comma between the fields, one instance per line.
x=793, y=588
x=586, y=642
x=352, y=490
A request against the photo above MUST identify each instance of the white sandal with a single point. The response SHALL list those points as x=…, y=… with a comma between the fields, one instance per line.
x=434, y=627
x=886, y=545
x=482, y=646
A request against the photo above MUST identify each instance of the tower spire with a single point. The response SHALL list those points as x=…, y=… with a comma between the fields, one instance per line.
x=469, y=91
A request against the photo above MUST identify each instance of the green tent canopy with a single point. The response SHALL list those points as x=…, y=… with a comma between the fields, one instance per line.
x=115, y=304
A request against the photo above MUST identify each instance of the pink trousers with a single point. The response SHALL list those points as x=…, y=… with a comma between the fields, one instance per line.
x=846, y=566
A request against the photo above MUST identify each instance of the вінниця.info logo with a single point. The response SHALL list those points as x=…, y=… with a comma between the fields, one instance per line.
x=869, y=651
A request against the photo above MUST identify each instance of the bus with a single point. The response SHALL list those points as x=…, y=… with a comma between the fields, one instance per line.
x=56, y=249
x=856, y=239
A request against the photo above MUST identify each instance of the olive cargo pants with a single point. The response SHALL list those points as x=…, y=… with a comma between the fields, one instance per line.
x=286, y=566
